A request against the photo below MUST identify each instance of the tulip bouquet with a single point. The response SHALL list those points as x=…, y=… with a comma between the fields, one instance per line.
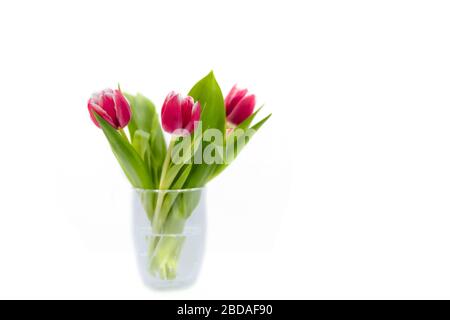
x=207, y=132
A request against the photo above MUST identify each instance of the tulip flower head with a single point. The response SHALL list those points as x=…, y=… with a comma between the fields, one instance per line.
x=112, y=106
x=179, y=113
x=239, y=106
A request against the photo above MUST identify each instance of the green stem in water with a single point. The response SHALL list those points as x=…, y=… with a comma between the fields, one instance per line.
x=165, y=248
x=165, y=257
x=156, y=217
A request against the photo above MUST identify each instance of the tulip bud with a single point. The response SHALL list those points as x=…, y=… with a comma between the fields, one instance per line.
x=112, y=106
x=179, y=113
x=239, y=106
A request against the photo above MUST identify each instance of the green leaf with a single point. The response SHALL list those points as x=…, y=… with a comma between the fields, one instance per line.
x=183, y=152
x=182, y=208
x=142, y=113
x=208, y=92
x=237, y=147
x=130, y=161
x=170, y=197
x=148, y=201
x=141, y=142
x=187, y=203
x=179, y=183
x=260, y=123
x=145, y=118
x=171, y=175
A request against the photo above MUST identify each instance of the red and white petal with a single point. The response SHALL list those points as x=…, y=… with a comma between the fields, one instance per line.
x=233, y=98
x=242, y=110
x=102, y=113
x=186, y=110
x=171, y=118
x=195, y=117
x=123, y=110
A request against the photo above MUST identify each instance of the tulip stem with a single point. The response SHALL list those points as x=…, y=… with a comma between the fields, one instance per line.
x=156, y=217
x=123, y=134
x=167, y=161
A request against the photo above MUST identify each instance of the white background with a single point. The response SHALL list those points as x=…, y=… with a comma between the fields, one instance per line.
x=343, y=194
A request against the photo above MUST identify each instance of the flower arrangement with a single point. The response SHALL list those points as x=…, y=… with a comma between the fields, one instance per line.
x=207, y=133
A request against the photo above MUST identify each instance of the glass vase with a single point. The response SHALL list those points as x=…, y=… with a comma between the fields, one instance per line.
x=169, y=229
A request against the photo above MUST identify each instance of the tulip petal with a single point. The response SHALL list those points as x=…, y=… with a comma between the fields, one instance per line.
x=242, y=110
x=233, y=98
x=169, y=96
x=186, y=110
x=171, y=117
x=230, y=95
x=106, y=102
x=91, y=114
x=196, y=110
x=123, y=111
x=92, y=106
x=195, y=117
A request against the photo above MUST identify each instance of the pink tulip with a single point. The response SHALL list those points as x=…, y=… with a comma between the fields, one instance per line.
x=179, y=113
x=239, y=106
x=112, y=106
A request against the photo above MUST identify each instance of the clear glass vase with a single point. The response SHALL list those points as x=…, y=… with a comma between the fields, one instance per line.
x=169, y=229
